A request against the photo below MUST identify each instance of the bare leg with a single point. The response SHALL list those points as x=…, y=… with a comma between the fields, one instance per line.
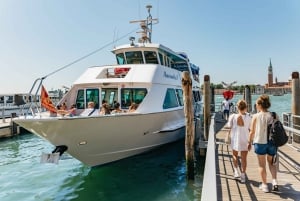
x=262, y=168
x=244, y=161
x=235, y=158
x=272, y=168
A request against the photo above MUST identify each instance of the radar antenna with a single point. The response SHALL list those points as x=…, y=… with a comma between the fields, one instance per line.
x=146, y=26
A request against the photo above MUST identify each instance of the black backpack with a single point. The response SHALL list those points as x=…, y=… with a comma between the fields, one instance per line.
x=276, y=132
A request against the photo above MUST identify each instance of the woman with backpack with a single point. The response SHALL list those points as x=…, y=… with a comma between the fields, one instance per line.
x=264, y=148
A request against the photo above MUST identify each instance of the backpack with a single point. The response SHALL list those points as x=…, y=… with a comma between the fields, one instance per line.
x=276, y=132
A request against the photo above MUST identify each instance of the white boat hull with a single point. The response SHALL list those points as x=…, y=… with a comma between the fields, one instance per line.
x=103, y=139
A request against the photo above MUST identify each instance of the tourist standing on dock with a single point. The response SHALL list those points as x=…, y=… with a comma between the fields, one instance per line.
x=226, y=107
x=239, y=125
x=264, y=149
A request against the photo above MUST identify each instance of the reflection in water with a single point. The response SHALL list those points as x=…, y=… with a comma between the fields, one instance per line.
x=157, y=175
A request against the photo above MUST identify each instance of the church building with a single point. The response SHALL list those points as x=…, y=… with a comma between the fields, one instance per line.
x=276, y=87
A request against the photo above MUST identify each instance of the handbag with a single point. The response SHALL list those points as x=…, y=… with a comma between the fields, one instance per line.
x=228, y=137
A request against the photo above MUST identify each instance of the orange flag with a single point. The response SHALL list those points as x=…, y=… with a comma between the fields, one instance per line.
x=46, y=101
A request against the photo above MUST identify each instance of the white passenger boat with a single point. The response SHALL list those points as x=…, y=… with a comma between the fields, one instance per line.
x=147, y=74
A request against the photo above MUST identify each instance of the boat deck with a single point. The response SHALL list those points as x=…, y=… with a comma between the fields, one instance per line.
x=230, y=189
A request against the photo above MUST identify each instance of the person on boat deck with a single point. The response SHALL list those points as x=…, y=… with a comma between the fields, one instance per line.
x=63, y=106
x=239, y=125
x=226, y=107
x=133, y=107
x=90, y=110
x=116, y=109
x=62, y=110
x=264, y=148
x=72, y=110
x=105, y=110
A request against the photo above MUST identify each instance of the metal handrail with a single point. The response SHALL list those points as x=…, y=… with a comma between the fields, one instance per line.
x=33, y=103
x=291, y=124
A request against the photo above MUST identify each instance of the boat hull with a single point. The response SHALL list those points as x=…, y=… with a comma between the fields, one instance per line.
x=103, y=139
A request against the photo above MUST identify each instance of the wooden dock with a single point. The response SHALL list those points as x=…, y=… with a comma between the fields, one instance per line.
x=7, y=128
x=229, y=189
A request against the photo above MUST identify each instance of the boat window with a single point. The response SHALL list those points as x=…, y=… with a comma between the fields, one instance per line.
x=134, y=57
x=85, y=96
x=10, y=99
x=179, y=95
x=170, y=99
x=130, y=95
x=1, y=99
x=80, y=99
x=195, y=71
x=121, y=59
x=92, y=95
x=161, y=57
x=197, y=96
x=151, y=57
x=110, y=95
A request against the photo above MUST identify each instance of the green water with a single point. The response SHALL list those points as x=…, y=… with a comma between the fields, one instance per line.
x=157, y=175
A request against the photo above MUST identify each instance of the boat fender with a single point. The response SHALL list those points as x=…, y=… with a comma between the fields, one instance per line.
x=60, y=149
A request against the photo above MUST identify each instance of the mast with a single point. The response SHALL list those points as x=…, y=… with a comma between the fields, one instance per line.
x=146, y=26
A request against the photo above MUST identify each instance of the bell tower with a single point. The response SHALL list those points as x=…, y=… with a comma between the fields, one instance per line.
x=270, y=74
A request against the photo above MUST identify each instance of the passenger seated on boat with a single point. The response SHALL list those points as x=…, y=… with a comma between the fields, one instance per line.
x=116, y=109
x=72, y=110
x=104, y=109
x=62, y=109
x=90, y=110
x=133, y=107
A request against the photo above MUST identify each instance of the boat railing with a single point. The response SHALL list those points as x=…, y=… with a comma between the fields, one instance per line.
x=291, y=124
x=34, y=107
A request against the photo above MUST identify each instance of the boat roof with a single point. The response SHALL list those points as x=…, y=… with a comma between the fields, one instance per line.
x=176, y=56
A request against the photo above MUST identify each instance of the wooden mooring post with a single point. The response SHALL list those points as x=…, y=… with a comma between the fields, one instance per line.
x=189, y=124
x=295, y=103
x=206, y=98
x=247, y=98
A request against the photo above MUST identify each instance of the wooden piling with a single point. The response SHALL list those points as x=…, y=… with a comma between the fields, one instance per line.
x=206, y=98
x=189, y=124
x=212, y=99
x=247, y=98
x=295, y=103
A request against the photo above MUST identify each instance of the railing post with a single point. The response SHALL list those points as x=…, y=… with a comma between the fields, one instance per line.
x=295, y=103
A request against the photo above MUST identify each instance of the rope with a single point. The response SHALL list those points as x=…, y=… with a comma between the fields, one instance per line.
x=89, y=54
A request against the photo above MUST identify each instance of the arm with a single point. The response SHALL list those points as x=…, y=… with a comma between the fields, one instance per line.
x=252, y=132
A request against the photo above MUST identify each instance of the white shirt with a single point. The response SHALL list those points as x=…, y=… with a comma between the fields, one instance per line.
x=87, y=112
x=261, y=128
x=226, y=104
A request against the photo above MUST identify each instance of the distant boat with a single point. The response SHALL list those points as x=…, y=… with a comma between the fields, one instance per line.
x=147, y=74
x=278, y=93
x=15, y=104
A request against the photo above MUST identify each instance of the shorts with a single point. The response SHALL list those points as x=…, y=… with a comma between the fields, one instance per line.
x=262, y=149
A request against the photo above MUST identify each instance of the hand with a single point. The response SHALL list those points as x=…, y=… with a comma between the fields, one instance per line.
x=249, y=146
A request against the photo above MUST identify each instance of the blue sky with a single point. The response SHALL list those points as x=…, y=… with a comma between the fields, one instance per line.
x=230, y=40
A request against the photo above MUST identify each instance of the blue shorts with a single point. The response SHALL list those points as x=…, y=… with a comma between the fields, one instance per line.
x=262, y=149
